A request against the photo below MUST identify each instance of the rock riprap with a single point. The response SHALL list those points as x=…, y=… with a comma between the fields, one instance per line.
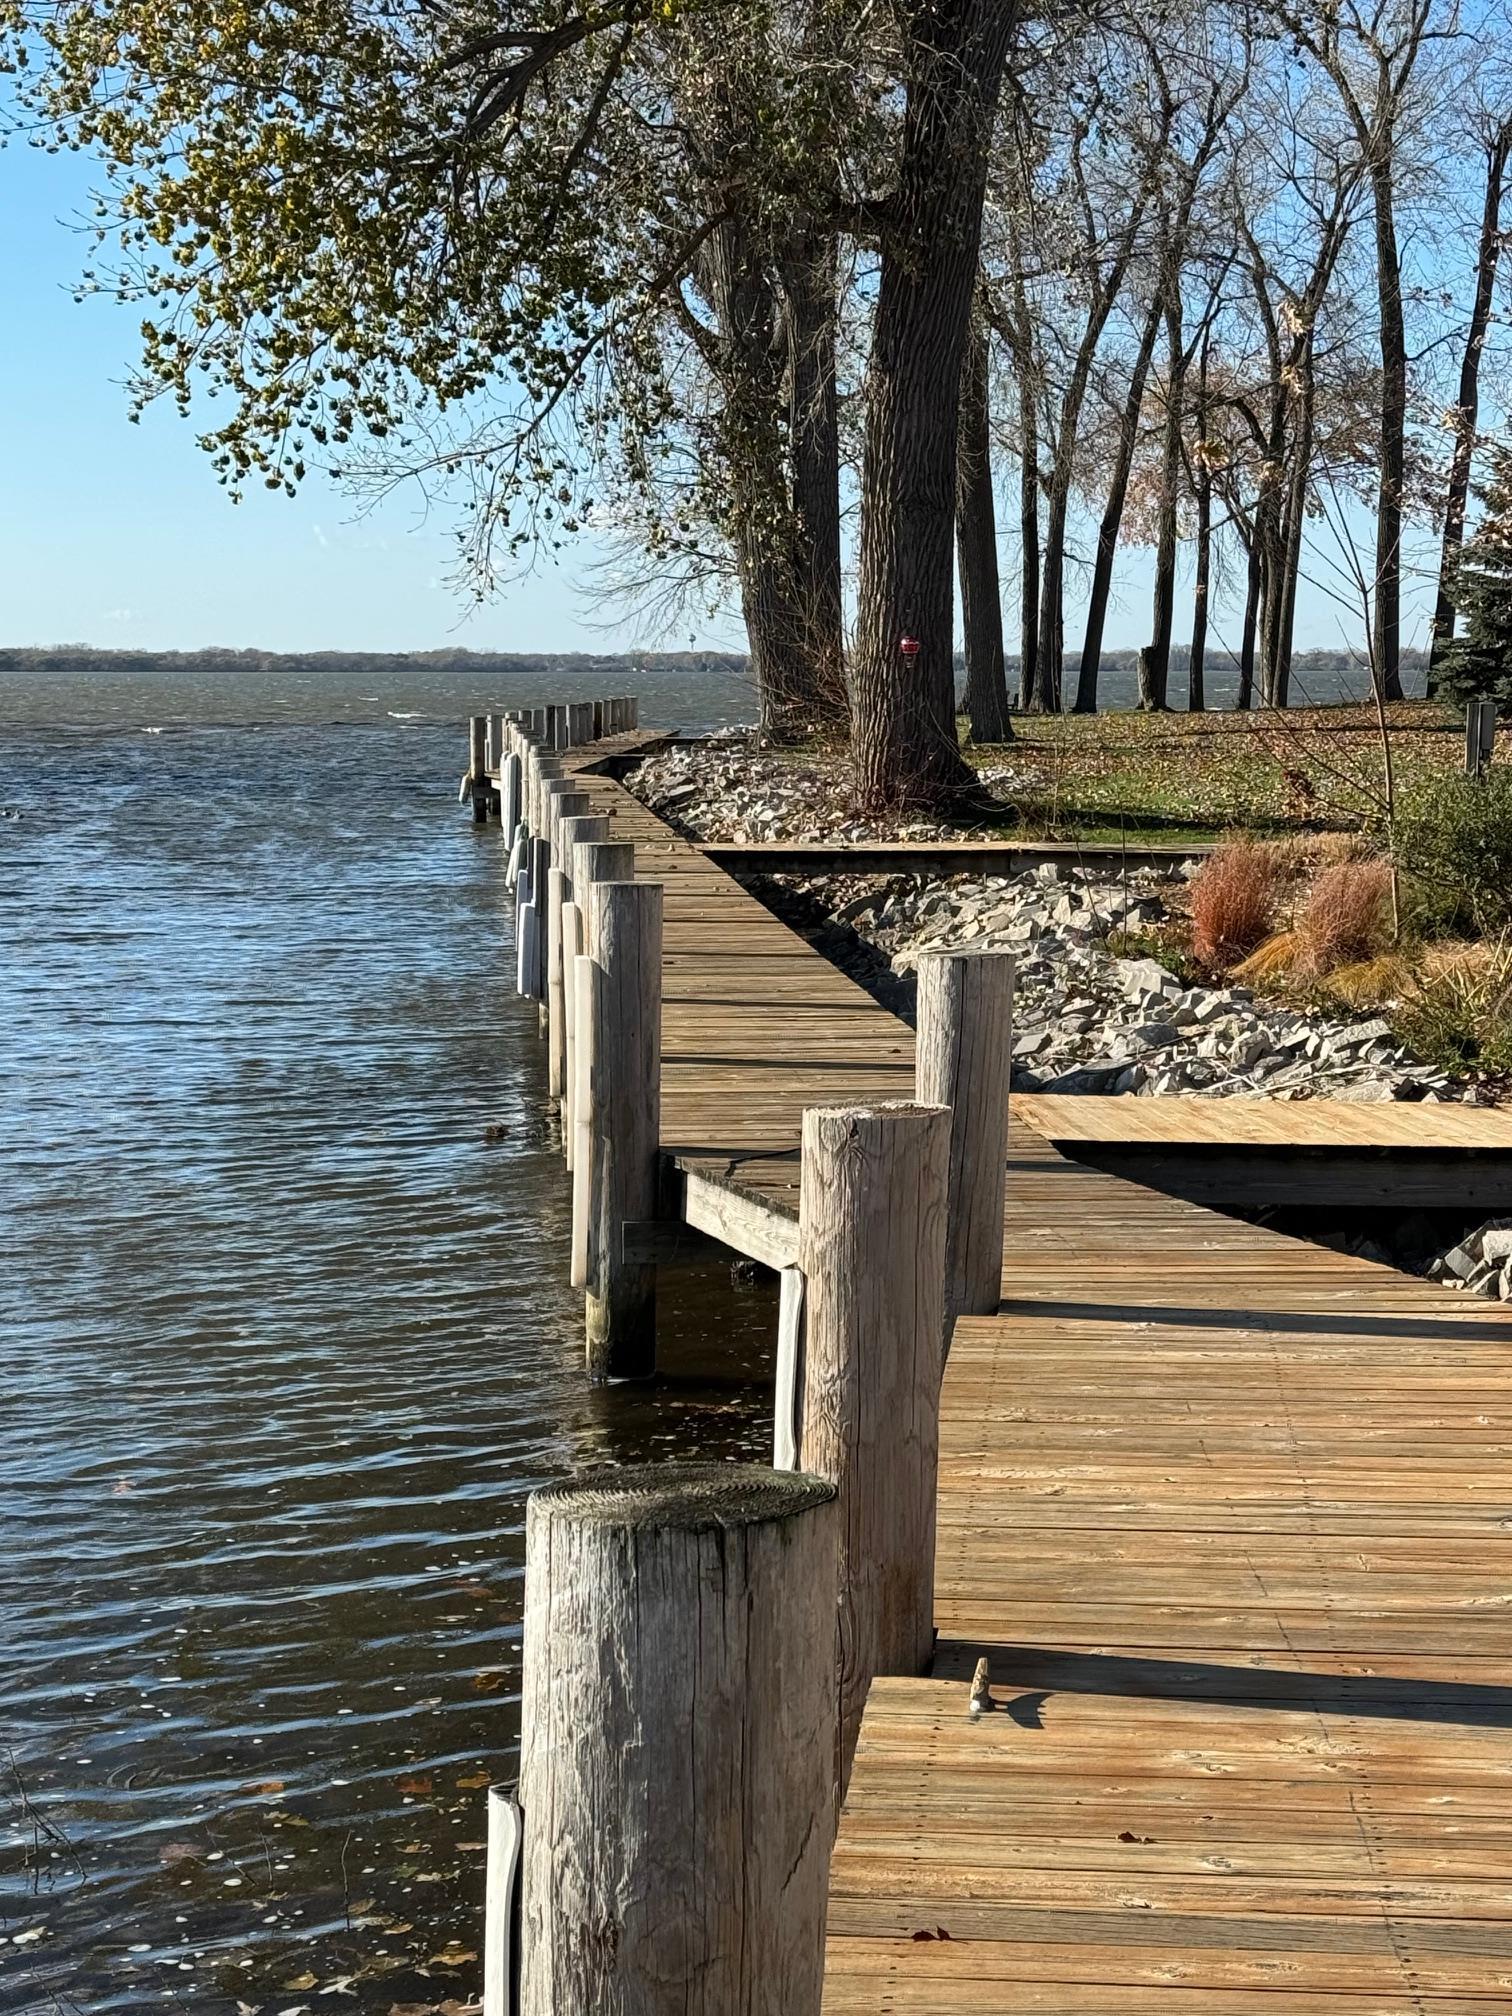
x=1089, y=1020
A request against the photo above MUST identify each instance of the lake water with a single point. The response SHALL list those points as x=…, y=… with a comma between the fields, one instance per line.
x=284, y=1341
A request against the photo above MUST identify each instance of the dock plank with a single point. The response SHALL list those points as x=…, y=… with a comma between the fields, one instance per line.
x=1229, y=1513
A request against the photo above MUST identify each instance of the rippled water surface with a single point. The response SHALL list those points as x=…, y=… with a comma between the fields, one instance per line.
x=284, y=1340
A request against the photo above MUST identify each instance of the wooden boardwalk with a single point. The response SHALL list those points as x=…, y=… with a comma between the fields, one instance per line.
x=1230, y=1514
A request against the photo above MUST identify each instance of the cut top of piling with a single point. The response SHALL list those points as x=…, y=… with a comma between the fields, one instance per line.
x=690, y=1497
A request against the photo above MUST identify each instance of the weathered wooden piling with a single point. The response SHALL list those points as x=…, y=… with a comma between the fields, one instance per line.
x=871, y=1246
x=579, y=722
x=509, y=796
x=964, y=1057
x=592, y=861
x=477, y=766
x=573, y=830
x=678, y=1732
x=624, y=940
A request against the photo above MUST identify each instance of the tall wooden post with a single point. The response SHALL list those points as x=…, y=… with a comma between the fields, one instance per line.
x=558, y=793
x=579, y=722
x=871, y=1244
x=540, y=863
x=573, y=830
x=477, y=766
x=624, y=937
x=677, y=1731
x=509, y=796
x=964, y=1059
x=592, y=861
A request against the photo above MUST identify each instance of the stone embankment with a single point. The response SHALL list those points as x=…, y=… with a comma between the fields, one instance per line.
x=1094, y=1010
x=1087, y=1019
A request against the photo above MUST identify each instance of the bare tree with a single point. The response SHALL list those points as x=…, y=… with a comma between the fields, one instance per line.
x=1489, y=89
x=1371, y=55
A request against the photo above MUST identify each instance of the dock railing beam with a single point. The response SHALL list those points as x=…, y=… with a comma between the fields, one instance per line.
x=964, y=1054
x=624, y=952
x=677, y=1727
x=871, y=1246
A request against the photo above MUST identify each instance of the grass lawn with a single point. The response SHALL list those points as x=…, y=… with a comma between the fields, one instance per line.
x=1175, y=777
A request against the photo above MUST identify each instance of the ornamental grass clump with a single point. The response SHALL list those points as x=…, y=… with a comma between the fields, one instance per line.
x=1457, y=1013
x=1232, y=901
x=1346, y=916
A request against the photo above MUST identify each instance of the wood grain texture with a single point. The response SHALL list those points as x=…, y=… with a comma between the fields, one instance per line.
x=623, y=933
x=678, y=1720
x=1229, y=1514
x=871, y=1246
x=964, y=1056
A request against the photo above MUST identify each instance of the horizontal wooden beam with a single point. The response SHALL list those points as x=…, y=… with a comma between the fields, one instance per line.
x=741, y=1221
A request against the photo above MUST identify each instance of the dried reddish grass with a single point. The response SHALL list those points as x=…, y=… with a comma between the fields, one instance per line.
x=1347, y=915
x=1232, y=900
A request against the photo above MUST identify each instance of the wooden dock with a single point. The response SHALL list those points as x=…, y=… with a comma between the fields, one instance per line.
x=1230, y=1515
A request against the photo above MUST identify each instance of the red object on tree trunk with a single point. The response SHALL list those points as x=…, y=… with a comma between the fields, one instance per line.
x=909, y=646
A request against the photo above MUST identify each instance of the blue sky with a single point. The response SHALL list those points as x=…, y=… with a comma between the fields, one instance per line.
x=115, y=534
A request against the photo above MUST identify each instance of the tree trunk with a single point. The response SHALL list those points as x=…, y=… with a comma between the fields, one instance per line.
x=1388, y=581
x=1202, y=485
x=1112, y=518
x=1155, y=664
x=1029, y=548
x=1021, y=339
x=1245, y=697
x=808, y=281
x=903, y=705
x=977, y=555
x=1197, y=662
x=1467, y=406
x=747, y=307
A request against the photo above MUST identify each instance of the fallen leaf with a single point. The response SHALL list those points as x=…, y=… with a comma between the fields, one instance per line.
x=300, y=1981
x=266, y=1787
x=474, y=1781
x=490, y=1679
x=452, y=1956
x=415, y=1788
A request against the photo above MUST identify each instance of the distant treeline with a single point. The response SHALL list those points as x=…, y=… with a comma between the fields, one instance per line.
x=215, y=663
x=483, y=667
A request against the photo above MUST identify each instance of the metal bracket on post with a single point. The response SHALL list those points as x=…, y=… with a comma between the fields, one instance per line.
x=501, y=1922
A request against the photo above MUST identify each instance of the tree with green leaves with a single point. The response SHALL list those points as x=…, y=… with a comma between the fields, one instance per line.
x=444, y=235
x=1478, y=663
